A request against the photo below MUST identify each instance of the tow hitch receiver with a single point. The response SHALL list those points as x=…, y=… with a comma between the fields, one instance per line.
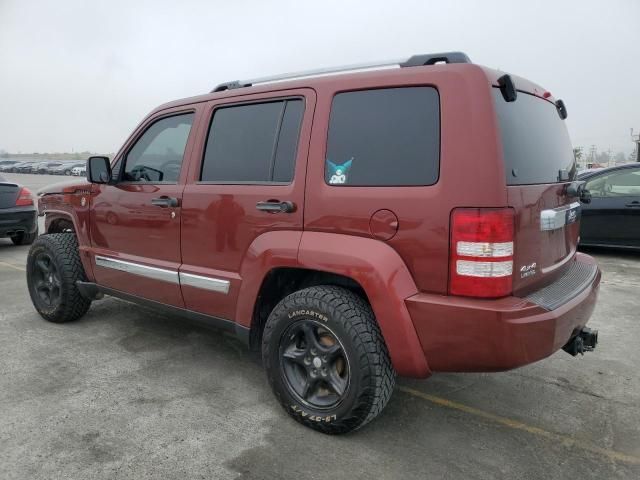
x=585, y=341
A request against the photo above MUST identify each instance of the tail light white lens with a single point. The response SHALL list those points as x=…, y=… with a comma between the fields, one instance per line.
x=25, y=198
x=481, y=252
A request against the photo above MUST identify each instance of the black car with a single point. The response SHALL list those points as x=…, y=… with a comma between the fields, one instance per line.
x=612, y=218
x=18, y=214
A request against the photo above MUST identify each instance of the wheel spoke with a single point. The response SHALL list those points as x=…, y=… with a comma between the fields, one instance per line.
x=332, y=352
x=42, y=265
x=337, y=383
x=310, y=337
x=308, y=388
x=295, y=355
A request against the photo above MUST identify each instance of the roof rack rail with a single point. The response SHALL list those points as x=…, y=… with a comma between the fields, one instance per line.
x=413, y=61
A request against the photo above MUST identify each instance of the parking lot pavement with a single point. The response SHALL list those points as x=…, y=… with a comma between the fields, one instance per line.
x=128, y=393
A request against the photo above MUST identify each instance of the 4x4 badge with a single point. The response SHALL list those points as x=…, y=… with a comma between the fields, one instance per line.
x=339, y=172
x=528, y=270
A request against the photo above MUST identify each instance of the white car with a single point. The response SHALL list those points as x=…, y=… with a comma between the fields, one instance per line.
x=79, y=171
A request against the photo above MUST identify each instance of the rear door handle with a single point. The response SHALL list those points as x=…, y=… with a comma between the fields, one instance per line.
x=635, y=204
x=276, y=206
x=165, y=202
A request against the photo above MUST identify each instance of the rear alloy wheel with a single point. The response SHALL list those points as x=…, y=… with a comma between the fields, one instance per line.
x=326, y=360
x=53, y=268
x=314, y=364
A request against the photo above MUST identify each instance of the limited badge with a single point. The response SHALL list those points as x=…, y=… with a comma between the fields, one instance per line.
x=338, y=172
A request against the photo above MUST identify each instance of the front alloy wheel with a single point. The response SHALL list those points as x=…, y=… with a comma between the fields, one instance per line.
x=53, y=268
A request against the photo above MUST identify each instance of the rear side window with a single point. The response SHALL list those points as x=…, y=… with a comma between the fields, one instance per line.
x=253, y=143
x=384, y=137
x=535, y=142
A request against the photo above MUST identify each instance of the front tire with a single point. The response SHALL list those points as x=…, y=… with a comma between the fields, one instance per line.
x=53, y=268
x=326, y=359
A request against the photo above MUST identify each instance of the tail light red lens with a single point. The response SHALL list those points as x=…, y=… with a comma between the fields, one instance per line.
x=25, y=198
x=481, y=252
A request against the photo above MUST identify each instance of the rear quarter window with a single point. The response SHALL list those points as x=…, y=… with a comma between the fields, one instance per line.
x=384, y=137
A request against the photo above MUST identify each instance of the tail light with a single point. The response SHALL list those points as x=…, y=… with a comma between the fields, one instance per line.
x=481, y=252
x=25, y=198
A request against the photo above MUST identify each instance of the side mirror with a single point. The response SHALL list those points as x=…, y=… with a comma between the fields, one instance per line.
x=98, y=170
x=579, y=189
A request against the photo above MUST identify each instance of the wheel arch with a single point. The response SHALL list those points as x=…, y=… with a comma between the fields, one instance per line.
x=369, y=267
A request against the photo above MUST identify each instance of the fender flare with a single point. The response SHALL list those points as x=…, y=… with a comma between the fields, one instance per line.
x=386, y=280
x=81, y=229
x=373, y=264
x=270, y=250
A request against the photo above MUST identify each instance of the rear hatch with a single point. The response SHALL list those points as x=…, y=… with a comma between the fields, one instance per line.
x=8, y=194
x=539, y=163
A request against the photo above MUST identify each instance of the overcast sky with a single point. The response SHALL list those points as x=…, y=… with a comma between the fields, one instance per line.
x=79, y=75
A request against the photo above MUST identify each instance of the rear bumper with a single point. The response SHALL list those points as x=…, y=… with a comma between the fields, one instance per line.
x=17, y=220
x=471, y=335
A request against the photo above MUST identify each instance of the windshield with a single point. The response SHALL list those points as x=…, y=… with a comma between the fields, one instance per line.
x=535, y=141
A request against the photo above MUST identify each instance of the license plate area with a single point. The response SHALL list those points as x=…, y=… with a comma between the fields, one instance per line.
x=555, y=218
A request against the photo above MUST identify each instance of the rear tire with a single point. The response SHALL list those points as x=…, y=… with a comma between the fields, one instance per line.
x=25, y=238
x=53, y=268
x=326, y=359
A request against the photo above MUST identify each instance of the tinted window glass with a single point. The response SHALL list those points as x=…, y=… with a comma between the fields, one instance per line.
x=284, y=163
x=157, y=155
x=535, y=141
x=384, y=137
x=253, y=143
x=623, y=183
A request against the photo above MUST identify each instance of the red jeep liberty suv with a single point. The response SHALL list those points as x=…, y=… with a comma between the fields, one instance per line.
x=352, y=224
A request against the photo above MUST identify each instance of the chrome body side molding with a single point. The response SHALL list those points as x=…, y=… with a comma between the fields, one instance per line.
x=155, y=273
x=205, y=283
x=170, y=276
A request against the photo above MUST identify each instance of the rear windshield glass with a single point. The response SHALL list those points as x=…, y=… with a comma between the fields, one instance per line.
x=535, y=141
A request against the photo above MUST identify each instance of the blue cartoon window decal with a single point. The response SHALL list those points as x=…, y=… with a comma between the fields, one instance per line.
x=338, y=173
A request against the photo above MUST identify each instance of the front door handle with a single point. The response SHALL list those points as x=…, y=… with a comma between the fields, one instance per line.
x=635, y=204
x=165, y=202
x=276, y=206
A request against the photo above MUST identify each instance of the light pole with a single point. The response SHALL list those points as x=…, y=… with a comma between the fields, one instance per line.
x=635, y=156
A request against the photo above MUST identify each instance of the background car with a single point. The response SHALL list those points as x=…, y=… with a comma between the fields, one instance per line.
x=65, y=168
x=18, y=215
x=24, y=167
x=80, y=170
x=7, y=165
x=612, y=218
x=43, y=167
x=585, y=173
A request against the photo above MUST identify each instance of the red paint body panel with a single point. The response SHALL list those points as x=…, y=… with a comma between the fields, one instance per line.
x=268, y=251
x=466, y=335
x=63, y=201
x=422, y=240
x=220, y=223
x=387, y=282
